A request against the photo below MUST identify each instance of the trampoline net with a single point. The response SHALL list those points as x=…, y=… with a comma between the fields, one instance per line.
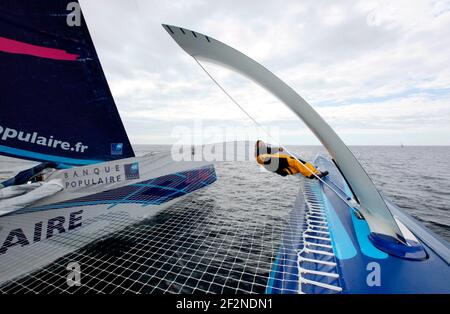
x=222, y=239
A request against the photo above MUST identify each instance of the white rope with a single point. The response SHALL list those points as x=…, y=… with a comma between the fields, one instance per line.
x=346, y=201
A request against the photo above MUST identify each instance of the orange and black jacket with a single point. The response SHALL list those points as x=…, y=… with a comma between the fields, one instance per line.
x=284, y=164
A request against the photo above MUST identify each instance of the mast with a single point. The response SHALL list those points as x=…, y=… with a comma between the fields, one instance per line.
x=55, y=102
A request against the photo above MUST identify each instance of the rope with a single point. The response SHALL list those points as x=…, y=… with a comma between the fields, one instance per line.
x=346, y=201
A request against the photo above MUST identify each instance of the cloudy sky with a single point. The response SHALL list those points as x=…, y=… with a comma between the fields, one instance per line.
x=377, y=71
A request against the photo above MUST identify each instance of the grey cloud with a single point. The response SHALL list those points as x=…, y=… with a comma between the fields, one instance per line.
x=327, y=63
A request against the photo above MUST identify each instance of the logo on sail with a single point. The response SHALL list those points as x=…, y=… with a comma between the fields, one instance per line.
x=131, y=171
x=37, y=139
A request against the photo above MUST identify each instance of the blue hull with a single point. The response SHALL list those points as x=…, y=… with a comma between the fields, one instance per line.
x=327, y=249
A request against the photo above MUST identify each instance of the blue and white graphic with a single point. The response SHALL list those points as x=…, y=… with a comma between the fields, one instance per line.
x=132, y=171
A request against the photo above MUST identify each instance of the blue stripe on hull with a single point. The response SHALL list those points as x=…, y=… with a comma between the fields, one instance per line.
x=342, y=244
x=362, y=233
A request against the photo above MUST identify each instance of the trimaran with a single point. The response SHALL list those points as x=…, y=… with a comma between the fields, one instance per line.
x=347, y=237
x=56, y=107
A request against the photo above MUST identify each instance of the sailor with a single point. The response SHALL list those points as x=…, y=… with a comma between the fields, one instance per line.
x=275, y=159
x=27, y=187
x=32, y=174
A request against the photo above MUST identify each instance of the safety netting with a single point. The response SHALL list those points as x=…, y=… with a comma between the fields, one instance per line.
x=221, y=239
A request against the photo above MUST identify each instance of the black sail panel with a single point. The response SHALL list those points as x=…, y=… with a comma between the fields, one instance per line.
x=55, y=103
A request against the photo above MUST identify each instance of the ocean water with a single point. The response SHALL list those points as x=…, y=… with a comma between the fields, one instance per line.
x=415, y=178
x=224, y=238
